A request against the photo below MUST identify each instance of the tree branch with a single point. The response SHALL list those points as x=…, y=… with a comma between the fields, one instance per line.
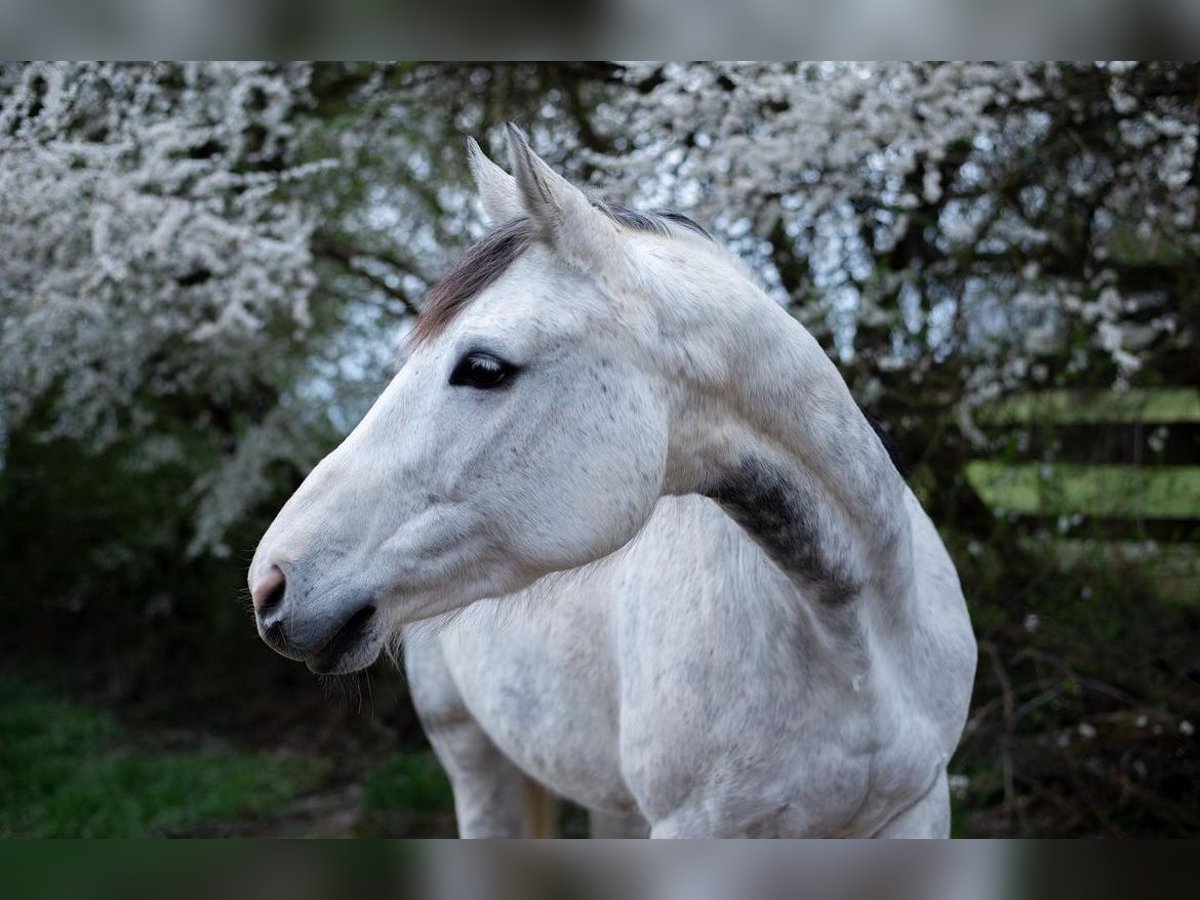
x=331, y=248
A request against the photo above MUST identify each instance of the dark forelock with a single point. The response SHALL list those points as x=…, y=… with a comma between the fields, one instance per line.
x=486, y=261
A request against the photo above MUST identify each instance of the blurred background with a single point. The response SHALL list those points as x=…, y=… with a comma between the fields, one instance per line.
x=207, y=270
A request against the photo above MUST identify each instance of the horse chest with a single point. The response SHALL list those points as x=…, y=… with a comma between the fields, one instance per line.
x=734, y=740
x=694, y=693
x=543, y=688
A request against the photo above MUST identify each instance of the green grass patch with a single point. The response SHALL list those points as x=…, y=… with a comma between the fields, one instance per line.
x=408, y=781
x=1159, y=406
x=1162, y=492
x=67, y=770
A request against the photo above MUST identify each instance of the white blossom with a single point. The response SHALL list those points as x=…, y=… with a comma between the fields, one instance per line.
x=139, y=260
x=845, y=153
x=160, y=225
x=151, y=249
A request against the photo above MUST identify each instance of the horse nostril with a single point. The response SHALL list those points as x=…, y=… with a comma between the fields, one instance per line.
x=269, y=593
x=274, y=598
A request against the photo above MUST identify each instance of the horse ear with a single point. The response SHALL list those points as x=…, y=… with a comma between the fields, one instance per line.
x=497, y=189
x=563, y=215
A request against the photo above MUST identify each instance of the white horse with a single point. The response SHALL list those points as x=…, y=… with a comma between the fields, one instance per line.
x=717, y=607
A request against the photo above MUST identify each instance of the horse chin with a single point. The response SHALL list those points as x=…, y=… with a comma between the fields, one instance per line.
x=347, y=660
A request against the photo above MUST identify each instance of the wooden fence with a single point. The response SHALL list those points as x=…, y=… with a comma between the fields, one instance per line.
x=1119, y=468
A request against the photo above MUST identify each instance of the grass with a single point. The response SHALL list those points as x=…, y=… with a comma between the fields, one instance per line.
x=408, y=781
x=1163, y=492
x=67, y=770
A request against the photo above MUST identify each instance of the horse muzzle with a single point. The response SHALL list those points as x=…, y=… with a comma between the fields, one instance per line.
x=328, y=643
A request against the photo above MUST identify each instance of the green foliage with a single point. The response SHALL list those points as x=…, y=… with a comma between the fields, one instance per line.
x=1084, y=701
x=96, y=537
x=408, y=781
x=70, y=771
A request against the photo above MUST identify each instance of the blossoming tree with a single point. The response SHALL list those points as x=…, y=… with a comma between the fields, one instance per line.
x=237, y=247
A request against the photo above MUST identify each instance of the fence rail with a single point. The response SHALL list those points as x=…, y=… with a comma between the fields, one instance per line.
x=1114, y=469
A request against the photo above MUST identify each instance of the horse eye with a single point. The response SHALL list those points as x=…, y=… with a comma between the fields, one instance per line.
x=481, y=370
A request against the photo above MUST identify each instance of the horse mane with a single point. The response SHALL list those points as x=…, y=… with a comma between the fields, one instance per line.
x=470, y=274
x=885, y=436
x=487, y=260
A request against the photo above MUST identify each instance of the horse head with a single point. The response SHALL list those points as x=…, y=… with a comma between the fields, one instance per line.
x=526, y=433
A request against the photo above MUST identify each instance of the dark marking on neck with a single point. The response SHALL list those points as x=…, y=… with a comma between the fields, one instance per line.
x=783, y=515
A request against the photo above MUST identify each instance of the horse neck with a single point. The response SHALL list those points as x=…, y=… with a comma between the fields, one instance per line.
x=765, y=425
